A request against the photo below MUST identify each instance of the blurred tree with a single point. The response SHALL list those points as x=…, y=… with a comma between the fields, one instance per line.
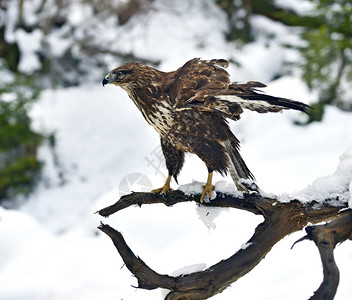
x=19, y=166
x=327, y=64
x=238, y=14
x=327, y=56
x=63, y=40
x=68, y=38
x=240, y=11
x=8, y=51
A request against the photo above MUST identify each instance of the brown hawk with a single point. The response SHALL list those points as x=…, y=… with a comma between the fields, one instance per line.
x=189, y=108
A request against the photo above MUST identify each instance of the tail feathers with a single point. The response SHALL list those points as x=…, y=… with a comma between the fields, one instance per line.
x=237, y=167
x=263, y=103
x=278, y=102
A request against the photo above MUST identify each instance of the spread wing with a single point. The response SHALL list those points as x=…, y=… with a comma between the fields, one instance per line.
x=195, y=79
x=205, y=85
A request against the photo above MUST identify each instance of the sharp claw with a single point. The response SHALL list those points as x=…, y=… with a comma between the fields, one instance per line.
x=163, y=190
x=208, y=189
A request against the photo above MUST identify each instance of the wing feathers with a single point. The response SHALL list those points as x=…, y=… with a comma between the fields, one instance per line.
x=220, y=62
x=205, y=85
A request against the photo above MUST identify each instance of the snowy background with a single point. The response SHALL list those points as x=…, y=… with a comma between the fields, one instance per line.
x=50, y=247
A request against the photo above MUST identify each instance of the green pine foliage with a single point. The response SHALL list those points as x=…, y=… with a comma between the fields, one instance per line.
x=327, y=64
x=19, y=166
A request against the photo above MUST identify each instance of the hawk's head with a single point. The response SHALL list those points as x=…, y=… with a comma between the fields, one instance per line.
x=122, y=76
x=133, y=76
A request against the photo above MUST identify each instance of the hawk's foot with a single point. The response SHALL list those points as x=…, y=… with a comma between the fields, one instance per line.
x=165, y=188
x=208, y=189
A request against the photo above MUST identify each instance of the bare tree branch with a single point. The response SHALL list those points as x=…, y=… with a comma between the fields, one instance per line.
x=174, y=197
x=280, y=219
x=326, y=237
x=147, y=278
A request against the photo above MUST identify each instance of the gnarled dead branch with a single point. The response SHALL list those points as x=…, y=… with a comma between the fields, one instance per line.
x=280, y=219
x=326, y=237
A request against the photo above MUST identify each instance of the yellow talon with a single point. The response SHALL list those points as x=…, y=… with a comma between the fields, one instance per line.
x=165, y=188
x=208, y=188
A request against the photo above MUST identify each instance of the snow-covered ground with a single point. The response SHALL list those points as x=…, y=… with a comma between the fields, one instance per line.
x=50, y=247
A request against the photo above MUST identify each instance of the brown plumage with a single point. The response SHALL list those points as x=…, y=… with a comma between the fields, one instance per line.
x=189, y=107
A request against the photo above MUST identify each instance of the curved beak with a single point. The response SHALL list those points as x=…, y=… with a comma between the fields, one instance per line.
x=105, y=80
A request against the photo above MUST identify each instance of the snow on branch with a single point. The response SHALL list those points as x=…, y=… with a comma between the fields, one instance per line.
x=280, y=219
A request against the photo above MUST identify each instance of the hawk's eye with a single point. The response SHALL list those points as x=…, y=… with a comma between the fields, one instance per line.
x=120, y=74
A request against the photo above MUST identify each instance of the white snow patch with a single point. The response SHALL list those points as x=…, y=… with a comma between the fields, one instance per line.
x=29, y=44
x=333, y=186
x=246, y=245
x=228, y=188
x=184, y=271
x=259, y=56
x=292, y=157
x=196, y=188
x=5, y=75
x=189, y=269
x=19, y=233
x=208, y=214
x=300, y=7
x=336, y=187
x=190, y=189
x=79, y=13
x=58, y=45
x=221, y=186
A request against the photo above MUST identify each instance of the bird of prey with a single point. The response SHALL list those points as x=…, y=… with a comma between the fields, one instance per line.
x=189, y=108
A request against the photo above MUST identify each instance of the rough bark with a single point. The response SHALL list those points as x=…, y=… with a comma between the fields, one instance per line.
x=326, y=237
x=280, y=219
